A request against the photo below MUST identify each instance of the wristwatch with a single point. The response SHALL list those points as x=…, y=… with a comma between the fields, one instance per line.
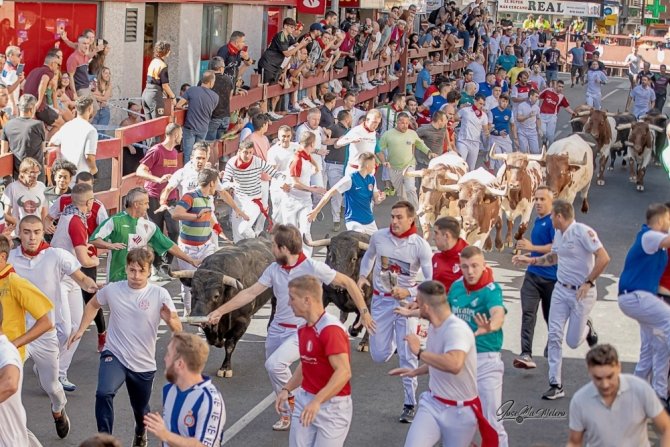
x=589, y=282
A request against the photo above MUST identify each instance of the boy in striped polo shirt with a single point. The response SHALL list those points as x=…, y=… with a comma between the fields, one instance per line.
x=194, y=212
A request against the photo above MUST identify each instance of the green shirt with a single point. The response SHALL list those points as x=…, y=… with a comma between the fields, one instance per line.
x=400, y=147
x=135, y=233
x=466, y=305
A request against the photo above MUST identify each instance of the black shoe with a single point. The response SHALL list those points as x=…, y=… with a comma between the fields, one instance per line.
x=407, y=415
x=592, y=336
x=141, y=440
x=62, y=424
x=554, y=392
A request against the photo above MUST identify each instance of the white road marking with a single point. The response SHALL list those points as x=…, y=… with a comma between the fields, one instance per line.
x=609, y=94
x=245, y=420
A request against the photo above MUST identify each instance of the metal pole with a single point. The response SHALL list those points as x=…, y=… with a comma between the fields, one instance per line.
x=335, y=6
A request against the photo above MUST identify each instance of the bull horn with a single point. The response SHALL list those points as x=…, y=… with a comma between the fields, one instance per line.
x=496, y=191
x=232, y=282
x=576, y=120
x=581, y=163
x=610, y=114
x=411, y=173
x=656, y=128
x=584, y=113
x=316, y=243
x=643, y=116
x=628, y=143
x=363, y=245
x=624, y=126
x=447, y=188
x=180, y=274
x=494, y=156
x=538, y=157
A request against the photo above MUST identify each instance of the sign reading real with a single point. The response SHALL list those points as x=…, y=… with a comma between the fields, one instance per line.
x=551, y=7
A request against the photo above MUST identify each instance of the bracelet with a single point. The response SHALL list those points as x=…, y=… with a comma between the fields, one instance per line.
x=286, y=389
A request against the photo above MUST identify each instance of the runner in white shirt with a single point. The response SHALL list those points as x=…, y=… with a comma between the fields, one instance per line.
x=396, y=253
x=26, y=195
x=528, y=124
x=30, y=260
x=281, y=344
x=474, y=126
x=361, y=138
x=279, y=157
x=451, y=411
x=320, y=151
x=136, y=308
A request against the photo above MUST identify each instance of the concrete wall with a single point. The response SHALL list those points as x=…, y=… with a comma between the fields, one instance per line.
x=124, y=58
x=181, y=25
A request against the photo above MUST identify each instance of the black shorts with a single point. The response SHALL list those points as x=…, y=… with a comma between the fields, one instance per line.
x=48, y=116
x=574, y=70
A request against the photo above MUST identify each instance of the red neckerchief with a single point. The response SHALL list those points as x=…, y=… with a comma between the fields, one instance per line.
x=456, y=249
x=396, y=110
x=232, y=50
x=366, y=128
x=408, y=233
x=478, y=112
x=304, y=155
x=485, y=280
x=43, y=246
x=301, y=259
x=239, y=164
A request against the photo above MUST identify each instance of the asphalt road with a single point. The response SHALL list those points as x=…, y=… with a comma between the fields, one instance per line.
x=617, y=211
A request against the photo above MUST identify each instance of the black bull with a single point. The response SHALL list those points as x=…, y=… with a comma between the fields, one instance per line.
x=344, y=255
x=219, y=278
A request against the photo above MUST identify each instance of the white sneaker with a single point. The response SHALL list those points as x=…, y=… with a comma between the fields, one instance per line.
x=308, y=103
x=317, y=101
x=274, y=116
x=67, y=385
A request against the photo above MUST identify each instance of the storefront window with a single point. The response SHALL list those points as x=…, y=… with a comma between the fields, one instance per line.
x=36, y=27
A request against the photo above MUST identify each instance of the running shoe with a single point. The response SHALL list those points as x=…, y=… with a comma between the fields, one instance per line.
x=592, y=336
x=67, y=385
x=554, y=392
x=524, y=362
x=407, y=415
x=62, y=424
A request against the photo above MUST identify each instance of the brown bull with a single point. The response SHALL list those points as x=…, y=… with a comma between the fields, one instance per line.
x=641, y=143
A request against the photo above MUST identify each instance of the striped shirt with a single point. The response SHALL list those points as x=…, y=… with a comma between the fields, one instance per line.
x=198, y=412
x=195, y=233
x=247, y=177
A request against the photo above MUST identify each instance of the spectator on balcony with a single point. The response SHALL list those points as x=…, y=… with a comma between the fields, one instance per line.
x=202, y=101
x=77, y=67
x=102, y=94
x=158, y=83
x=235, y=55
x=37, y=84
x=330, y=19
x=283, y=45
x=223, y=87
x=25, y=196
x=97, y=62
x=348, y=50
x=24, y=136
x=350, y=17
x=156, y=168
x=78, y=139
x=10, y=78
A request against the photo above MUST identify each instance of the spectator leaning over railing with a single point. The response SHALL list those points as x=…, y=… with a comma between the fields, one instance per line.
x=158, y=83
x=24, y=136
x=37, y=84
x=236, y=59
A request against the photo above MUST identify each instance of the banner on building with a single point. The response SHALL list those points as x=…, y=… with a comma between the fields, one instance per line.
x=317, y=7
x=551, y=7
x=350, y=4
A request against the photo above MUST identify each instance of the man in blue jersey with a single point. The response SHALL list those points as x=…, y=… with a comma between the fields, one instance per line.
x=538, y=284
x=638, y=285
x=436, y=102
x=193, y=409
x=359, y=191
x=503, y=129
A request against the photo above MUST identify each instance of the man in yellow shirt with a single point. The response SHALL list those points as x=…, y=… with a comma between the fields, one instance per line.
x=513, y=73
x=529, y=23
x=20, y=297
x=542, y=24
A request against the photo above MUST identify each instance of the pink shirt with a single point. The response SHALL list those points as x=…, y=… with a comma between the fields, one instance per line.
x=261, y=148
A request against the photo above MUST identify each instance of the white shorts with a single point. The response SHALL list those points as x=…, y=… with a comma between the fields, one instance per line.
x=330, y=426
x=361, y=228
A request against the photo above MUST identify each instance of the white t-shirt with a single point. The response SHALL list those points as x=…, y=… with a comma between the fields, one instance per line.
x=8, y=77
x=13, y=430
x=77, y=139
x=23, y=200
x=526, y=109
x=356, y=113
x=134, y=317
x=280, y=157
x=575, y=249
x=471, y=125
x=478, y=72
x=453, y=335
x=277, y=278
x=367, y=143
x=184, y=180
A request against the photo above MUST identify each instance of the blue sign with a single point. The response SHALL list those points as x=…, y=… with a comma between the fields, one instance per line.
x=607, y=11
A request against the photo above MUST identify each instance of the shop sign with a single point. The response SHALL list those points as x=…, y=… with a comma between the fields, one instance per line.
x=551, y=7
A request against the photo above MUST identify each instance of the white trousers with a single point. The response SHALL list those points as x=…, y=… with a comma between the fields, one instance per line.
x=199, y=252
x=356, y=226
x=503, y=146
x=67, y=322
x=490, y=370
x=245, y=229
x=265, y=197
x=44, y=351
x=528, y=141
x=468, y=150
x=654, y=362
x=566, y=309
x=335, y=173
x=330, y=426
x=653, y=315
x=277, y=196
x=594, y=100
x=549, y=121
x=295, y=211
x=390, y=334
x=281, y=351
x=405, y=186
x=435, y=421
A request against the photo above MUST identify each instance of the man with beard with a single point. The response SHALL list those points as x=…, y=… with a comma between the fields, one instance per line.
x=193, y=409
x=279, y=157
x=26, y=196
x=136, y=308
x=396, y=254
x=281, y=344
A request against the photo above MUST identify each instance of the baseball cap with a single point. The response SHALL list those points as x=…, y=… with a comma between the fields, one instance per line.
x=316, y=27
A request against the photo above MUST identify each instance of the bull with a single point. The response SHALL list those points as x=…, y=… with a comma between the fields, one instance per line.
x=641, y=144
x=659, y=119
x=580, y=117
x=521, y=174
x=434, y=199
x=480, y=202
x=570, y=167
x=344, y=254
x=603, y=127
x=219, y=278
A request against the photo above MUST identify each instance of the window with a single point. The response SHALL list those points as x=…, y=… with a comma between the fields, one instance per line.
x=214, y=30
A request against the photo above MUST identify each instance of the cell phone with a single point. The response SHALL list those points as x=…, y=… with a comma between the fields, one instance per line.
x=245, y=49
x=19, y=69
x=100, y=42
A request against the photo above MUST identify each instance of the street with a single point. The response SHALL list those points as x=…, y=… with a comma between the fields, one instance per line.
x=616, y=213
